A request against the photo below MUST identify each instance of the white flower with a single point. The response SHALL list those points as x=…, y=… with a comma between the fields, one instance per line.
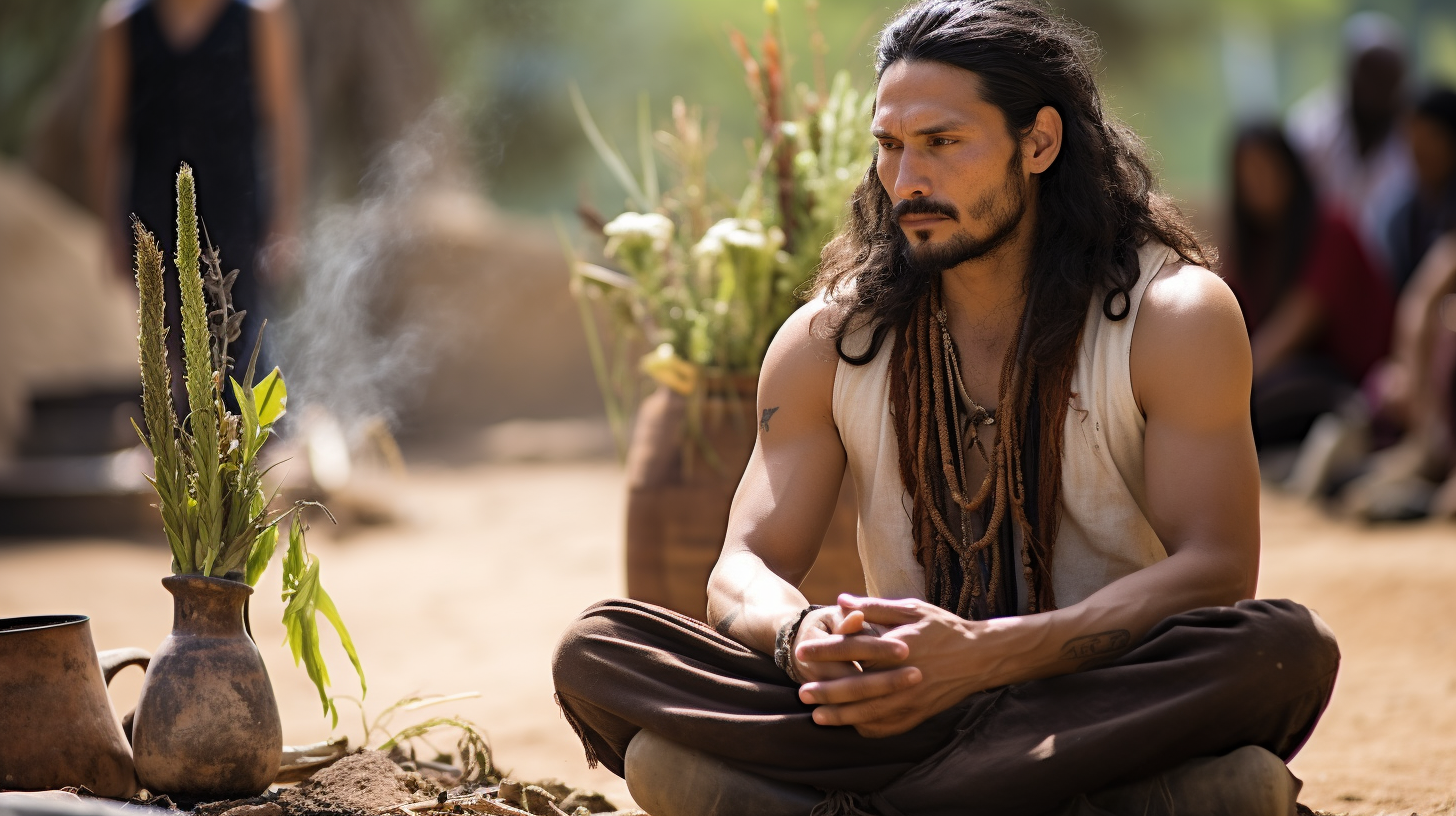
x=746, y=233
x=630, y=227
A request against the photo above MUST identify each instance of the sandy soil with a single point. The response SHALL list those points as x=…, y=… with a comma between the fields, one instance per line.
x=487, y=564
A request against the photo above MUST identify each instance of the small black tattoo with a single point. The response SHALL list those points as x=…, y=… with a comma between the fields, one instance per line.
x=1092, y=646
x=724, y=625
x=767, y=415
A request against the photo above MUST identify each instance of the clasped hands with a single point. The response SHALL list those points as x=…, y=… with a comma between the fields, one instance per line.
x=885, y=666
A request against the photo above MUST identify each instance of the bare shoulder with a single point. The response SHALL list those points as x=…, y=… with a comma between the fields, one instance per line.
x=801, y=361
x=1190, y=355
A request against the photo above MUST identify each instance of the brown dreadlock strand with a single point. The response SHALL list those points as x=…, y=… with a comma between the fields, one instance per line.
x=925, y=370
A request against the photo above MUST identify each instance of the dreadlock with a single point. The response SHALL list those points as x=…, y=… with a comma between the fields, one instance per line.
x=1095, y=206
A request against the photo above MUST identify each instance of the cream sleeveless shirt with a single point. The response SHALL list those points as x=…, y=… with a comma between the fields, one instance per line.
x=1104, y=532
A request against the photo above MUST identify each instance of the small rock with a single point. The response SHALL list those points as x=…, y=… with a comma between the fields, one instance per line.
x=538, y=800
x=591, y=800
x=510, y=790
x=268, y=809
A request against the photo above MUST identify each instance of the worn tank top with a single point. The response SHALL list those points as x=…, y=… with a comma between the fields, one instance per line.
x=1104, y=532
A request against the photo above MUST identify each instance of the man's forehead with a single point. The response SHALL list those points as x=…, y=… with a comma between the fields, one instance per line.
x=921, y=93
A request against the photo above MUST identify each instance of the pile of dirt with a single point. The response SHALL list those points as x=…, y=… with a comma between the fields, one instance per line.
x=366, y=782
x=370, y=783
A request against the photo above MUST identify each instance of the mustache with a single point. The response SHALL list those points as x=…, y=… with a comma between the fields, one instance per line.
x=924, y=206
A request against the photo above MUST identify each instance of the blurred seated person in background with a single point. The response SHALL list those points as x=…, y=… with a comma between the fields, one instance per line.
x=1415, y=388
x=1350, y=138
x=1318, y=312
x=1430, y=211
x=215, y=84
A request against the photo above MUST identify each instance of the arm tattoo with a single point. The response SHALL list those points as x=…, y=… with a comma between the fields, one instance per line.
x=767, y=415
x=1094, y=649
x=722, y=626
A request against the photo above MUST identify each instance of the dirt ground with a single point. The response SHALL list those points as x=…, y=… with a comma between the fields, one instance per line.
x=485, y=565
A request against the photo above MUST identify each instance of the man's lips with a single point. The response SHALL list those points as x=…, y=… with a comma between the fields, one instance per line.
x=921, y=220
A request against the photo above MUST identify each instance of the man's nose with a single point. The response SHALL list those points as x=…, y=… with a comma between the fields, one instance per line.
x=912, y=179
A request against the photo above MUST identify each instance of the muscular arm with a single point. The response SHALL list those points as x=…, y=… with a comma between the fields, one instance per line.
x=787, y=494
x=1191, y=375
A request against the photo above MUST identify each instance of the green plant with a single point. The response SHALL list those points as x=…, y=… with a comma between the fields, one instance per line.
x=476, y=764
x=215, y=508
x=704, y=277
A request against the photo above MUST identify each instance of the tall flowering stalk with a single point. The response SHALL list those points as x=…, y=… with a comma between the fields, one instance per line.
x=704, y=278
x=168, y=475
x=215, y=510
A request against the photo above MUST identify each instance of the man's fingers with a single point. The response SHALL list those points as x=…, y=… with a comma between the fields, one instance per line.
x=852, y=623
x=878, y=713
x=844, y=648
x=827, y=671
x=860, y=687
x=879, y=610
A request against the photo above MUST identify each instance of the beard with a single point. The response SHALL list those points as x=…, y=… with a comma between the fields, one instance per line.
x=1004, y=210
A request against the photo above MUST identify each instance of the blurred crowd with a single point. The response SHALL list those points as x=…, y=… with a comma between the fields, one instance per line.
x=1342, y=249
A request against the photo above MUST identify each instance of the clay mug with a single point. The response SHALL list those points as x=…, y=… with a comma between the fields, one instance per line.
x=57, y=726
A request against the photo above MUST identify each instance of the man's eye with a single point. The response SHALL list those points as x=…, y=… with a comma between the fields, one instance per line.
x=941, y=140
x=888, y=146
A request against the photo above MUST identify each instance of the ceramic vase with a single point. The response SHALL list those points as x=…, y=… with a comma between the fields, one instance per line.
x=207, y=725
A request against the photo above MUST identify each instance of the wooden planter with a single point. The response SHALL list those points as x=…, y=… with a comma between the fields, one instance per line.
x=677, y=502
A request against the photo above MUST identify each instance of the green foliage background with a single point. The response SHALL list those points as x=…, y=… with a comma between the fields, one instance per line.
x=509, y=61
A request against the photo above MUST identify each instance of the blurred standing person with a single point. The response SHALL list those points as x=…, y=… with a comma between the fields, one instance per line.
x=1319, y=314
x=1351, y=140
x=214, y=83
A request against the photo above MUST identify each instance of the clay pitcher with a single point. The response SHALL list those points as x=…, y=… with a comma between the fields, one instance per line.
x=57, y=726
x=207, y=723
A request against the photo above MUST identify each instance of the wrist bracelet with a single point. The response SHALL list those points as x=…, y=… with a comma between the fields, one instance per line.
x=783, y=656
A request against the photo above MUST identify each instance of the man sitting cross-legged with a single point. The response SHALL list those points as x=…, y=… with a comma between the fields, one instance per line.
x=1043, y=399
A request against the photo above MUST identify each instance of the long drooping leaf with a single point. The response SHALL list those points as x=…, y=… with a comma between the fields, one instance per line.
x=325, y=604
x=305, y=598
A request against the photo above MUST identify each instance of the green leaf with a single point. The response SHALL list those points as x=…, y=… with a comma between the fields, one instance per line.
x=271, y=397
x=262, y=553
x=305, y=598
x=609, y=156
x=325, y=604
x=249, y=408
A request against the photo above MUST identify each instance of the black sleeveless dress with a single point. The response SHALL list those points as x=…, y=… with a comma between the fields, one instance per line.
x=199, y=106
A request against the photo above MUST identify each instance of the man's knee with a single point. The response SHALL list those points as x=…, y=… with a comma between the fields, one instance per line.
x=579, y=653
x=1289, y=646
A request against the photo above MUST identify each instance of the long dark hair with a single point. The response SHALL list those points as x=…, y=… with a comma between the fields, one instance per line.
x=1096, y=205
x=1287, y=242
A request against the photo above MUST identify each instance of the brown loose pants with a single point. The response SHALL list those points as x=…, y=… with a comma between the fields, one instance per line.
x=1202, y=683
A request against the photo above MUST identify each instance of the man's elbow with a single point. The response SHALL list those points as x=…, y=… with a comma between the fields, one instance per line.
x=1234, y=583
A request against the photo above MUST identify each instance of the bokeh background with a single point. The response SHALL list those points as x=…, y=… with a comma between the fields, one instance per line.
x=484, y=87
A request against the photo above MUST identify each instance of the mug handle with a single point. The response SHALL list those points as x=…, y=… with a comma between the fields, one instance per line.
x=114, y=660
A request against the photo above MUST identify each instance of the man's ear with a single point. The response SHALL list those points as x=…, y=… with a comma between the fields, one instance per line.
x=1042, y=145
